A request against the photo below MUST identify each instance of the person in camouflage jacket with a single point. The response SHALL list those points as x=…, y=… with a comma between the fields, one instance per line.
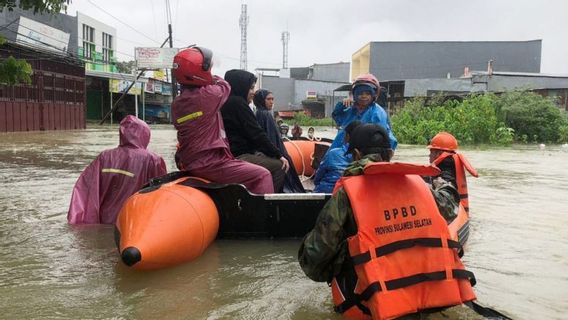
x=323, y=253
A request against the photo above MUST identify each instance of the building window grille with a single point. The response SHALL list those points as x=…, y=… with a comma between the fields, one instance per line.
x=107, y=47
x=88, y=42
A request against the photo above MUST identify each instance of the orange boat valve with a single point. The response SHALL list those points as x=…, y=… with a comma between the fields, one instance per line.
x=130, y=256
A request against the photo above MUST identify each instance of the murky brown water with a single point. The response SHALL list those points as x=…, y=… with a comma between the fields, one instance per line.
x=518, y=246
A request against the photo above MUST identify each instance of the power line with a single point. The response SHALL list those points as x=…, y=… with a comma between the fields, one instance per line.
x=8, y=24
x=153, y=16
x=124, y=23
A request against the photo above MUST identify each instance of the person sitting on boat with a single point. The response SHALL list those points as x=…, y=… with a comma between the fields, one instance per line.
x=284, y=128
x=364, y=108
x=311, y=133
x=116, y=174
x=296, y=131
x=334, y=163
x=247, y=139
x=203, y=148
x=388, y=207
x=264, y=101
x=443, y=154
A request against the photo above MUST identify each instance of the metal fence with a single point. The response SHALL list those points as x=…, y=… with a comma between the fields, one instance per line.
x=55, y=100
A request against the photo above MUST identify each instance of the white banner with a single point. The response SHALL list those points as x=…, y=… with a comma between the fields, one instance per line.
x=39, y=34
x=155, y=58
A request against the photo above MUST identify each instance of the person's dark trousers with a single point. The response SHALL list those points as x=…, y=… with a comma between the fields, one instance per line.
x=273, y=165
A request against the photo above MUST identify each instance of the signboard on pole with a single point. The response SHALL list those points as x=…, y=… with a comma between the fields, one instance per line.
x=155, y=58
x=119, y=86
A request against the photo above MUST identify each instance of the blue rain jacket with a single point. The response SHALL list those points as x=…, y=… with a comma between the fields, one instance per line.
x=331, y=169
x=344, y=115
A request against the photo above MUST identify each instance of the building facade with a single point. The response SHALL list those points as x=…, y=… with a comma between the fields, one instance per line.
x=88, y=40
x=96, y=44
x=294, y=88
x=444, y=59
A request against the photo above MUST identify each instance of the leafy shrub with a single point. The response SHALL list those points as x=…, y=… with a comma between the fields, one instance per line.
x=483, y=118
x=532, y=115
x=563, y=133
x=304, y=120
x=471, y=121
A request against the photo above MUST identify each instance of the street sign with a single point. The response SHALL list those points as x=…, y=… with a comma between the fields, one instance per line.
x=155, y=58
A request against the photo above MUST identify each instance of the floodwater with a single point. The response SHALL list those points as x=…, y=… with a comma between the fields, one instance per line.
x=518, y=247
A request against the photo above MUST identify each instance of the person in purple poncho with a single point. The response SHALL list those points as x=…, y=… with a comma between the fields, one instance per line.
x=116, y=174
x=203, y=146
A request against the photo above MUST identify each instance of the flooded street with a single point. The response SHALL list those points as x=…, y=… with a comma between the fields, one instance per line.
x=518, y=245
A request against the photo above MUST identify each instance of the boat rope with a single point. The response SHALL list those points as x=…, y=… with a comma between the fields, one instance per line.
x=303, y=177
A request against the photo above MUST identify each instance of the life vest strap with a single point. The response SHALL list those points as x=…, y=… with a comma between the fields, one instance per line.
x=350, y=303
x=464, y=196
x=398, y=284
x=404, y=244
x=416, y=279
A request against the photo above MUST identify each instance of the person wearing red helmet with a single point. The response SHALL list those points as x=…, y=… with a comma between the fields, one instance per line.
x=365, y=90
x=443, y=154
x=203, y=146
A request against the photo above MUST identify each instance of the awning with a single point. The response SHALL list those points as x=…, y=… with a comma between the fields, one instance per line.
x=114, y=75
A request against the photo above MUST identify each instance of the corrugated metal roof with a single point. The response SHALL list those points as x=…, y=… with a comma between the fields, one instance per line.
x=520, y=74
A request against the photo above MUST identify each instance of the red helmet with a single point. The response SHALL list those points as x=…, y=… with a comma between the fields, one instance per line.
x=367, y=79
x=444, y=141
x=192, y=66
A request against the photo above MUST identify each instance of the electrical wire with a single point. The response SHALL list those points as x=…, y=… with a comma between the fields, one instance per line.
x=124, y=23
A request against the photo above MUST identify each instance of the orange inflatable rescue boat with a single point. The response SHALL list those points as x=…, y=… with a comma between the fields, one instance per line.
x=165, y=225
x=174, y=218
x=306, y=154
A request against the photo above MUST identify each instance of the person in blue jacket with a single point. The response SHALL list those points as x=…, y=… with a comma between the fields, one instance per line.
x=365, y=90
x=334, y=163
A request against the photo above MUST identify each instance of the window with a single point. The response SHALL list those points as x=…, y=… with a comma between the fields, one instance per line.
x=88, y=42
x=107, y=47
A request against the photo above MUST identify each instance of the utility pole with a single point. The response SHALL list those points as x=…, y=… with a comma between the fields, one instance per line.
x=285, y=39
x=243, y=22
x=171, y=39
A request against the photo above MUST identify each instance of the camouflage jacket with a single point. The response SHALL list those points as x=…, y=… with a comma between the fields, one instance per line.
x=324, y=249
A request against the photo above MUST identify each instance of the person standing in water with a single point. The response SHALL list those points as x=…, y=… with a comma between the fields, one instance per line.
x=443, y=154
x=116, y=174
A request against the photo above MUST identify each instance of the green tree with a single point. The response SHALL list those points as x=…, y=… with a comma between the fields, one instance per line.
x=126, y=66
x=41, y=6
x=13, y=70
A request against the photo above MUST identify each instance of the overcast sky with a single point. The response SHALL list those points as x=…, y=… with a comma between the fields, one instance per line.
x=329, y=31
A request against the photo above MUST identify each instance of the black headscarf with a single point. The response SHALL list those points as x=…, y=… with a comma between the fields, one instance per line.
x=259, y=99
x=241, y=81
x=292, y=183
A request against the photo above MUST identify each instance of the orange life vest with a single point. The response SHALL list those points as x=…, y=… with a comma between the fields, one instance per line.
x=460, y=162
x=403, y=257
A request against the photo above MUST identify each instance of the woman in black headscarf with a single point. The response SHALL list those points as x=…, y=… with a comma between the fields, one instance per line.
x=264, y=101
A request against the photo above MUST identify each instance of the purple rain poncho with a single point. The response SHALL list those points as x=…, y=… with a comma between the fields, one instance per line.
x=116, y=174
